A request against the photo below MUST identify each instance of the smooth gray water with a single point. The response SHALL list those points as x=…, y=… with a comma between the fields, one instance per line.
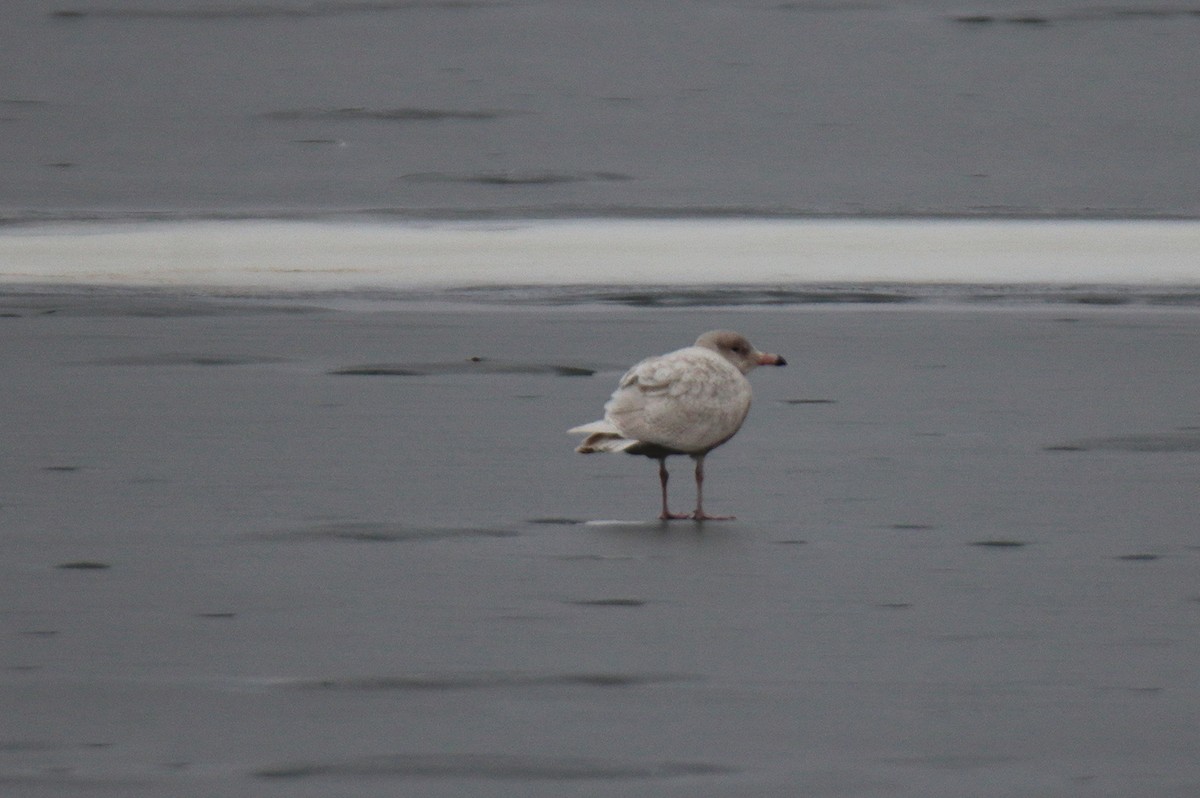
x=158, y=107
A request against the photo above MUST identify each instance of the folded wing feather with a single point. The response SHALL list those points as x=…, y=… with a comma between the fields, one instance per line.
x=688, y=401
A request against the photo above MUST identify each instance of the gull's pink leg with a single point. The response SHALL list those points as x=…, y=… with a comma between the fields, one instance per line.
x=663, y=476
x=700, y=515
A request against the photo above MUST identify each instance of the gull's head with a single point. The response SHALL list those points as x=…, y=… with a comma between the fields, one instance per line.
x=737, y=350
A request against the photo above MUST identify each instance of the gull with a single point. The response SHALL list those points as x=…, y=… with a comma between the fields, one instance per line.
x=686, y=402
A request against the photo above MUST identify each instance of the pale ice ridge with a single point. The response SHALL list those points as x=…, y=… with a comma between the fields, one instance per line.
x=358, y=256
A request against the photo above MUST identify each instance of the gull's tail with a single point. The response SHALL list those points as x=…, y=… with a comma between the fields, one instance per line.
x=601, y=437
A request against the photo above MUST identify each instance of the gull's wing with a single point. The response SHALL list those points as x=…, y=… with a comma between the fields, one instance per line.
x=690, y=401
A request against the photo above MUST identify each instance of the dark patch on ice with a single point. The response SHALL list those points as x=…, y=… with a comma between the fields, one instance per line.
x=518, y=767
x=691, y=296
x=217, y=615
x=378, y=370
x=723, y=296
x=984, y=19
x=368, y=532
x=63, y=469
x=808, y=401
x=533, y=178
x=556, y=521
x=183, y=359
x=912, y=527
x=265, y=10
x=1094, y=14
x=1103, y=300
x=1000, y=543
x=1183, y=441
x=405, y=114
x=84, y=565
x=729, y=295
x=472, y=365
x=610, y=602
x=1139, y=557
x=482, y=681
x=40, y=632
x=790, y=542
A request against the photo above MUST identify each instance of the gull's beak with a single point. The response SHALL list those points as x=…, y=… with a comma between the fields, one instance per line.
x=765, y=359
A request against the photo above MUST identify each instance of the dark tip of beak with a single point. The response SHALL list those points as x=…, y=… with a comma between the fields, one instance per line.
x=779, y=361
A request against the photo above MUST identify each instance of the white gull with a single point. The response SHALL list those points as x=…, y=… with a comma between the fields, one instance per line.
x=689, y=401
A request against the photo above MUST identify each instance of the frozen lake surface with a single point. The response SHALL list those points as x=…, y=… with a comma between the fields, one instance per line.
x=299, y=298
x=298, y=546
x=165, y=109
